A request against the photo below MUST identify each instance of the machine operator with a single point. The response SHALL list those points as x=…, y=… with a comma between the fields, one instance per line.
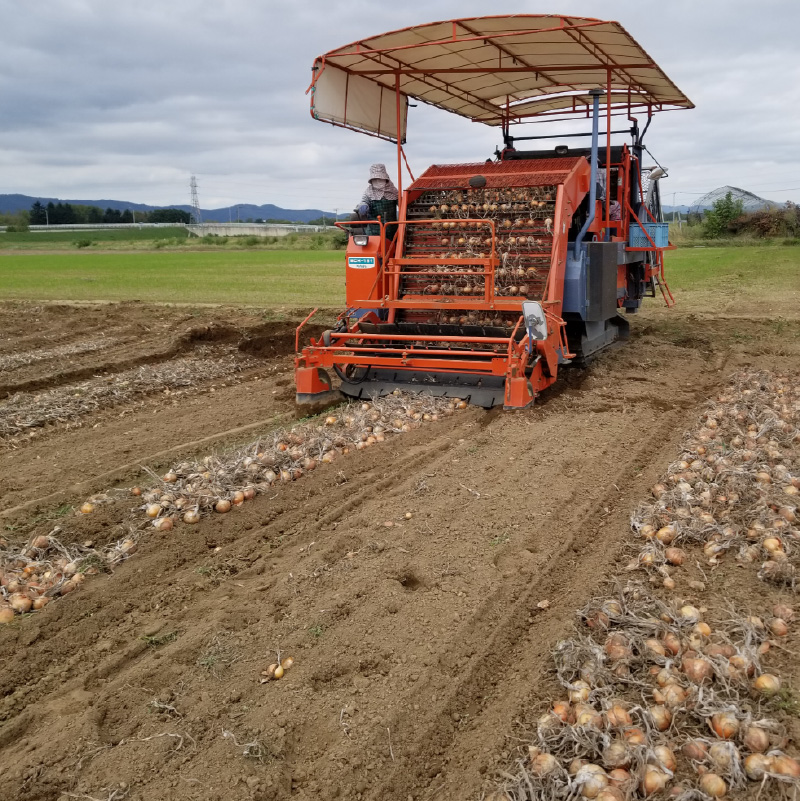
x=379, y=199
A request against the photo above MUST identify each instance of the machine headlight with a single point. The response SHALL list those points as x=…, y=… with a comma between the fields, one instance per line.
x=360, y=239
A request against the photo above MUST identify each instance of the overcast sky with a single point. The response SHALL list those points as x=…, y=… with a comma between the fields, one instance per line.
x=127, y=100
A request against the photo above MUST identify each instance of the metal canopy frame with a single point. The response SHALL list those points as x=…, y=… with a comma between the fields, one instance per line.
x=500, y=71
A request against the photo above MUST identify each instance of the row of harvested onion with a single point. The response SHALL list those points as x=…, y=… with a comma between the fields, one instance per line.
x=220, y=483
x=43, y=569
x=660, y=699
x=654, y=696
x=735, y=487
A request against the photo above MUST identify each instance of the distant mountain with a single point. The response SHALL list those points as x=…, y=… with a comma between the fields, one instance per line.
x=10, y=204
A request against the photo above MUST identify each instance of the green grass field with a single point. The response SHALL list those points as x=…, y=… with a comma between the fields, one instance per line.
x=262, y=278
x=750, y=268
x=704, y=277
x=15, y=240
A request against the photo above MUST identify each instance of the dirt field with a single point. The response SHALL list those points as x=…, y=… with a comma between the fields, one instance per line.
x=403, y=580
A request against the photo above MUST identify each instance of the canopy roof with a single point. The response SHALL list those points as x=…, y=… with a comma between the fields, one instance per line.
x=497, y=70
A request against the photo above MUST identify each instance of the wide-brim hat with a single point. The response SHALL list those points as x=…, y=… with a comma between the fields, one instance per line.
x=378, y=171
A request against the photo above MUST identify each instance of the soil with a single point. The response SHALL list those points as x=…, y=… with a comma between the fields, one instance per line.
x=404, y=580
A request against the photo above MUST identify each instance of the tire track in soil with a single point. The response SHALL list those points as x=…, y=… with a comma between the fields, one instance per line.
x=271, y=340
x=498, y=649
x=285, y=518
x=496, y=637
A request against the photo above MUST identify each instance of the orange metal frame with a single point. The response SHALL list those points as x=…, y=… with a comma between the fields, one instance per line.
x=525, y=374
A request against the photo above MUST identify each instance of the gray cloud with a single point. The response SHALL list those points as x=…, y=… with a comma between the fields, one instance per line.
x=128, y=100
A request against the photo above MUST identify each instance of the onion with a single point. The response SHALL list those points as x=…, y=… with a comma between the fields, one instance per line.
x=654, y=780
x=778, y=627
x=666, y=535
x=755, y=739
x=767, y=684
x=592, y=779
x=287, y=663
x=279, y=671
x=20, y=602
x=617, y=716
x=743, y=664
x=784, y=612
x=87, y=508
x=772, y=545
x=223, y=505
x=713, y=785
x=785, y=766
x=661, y=716
x=6, y=614
x=666, y=758
x=621, y=778
x=153, y=509
x=635, y=736
x=665, y=676
x=610, y=793
x=655, y=648
x=674, y=696
x=41, y=602
x=675, y=556
x=702, y=629
x=576, y=765
x=586, y=715
x=672, y=642
x=579, y=691
x=616, y=646
x=696, y=750
x=72, y=567
x=723, y=756
x=697, y=669
x=690, y=613
x=721, y=649
x=617, y=755
x=562, y=710
x=170, y=477
x=163, y=524
x=136, y=491
x=724, y=725
x=238, y=498
x=756, y=765
x=191, y=516
x=599, y=620
x=543, y=765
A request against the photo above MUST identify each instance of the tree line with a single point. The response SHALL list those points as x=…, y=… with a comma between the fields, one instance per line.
x=76, y=214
